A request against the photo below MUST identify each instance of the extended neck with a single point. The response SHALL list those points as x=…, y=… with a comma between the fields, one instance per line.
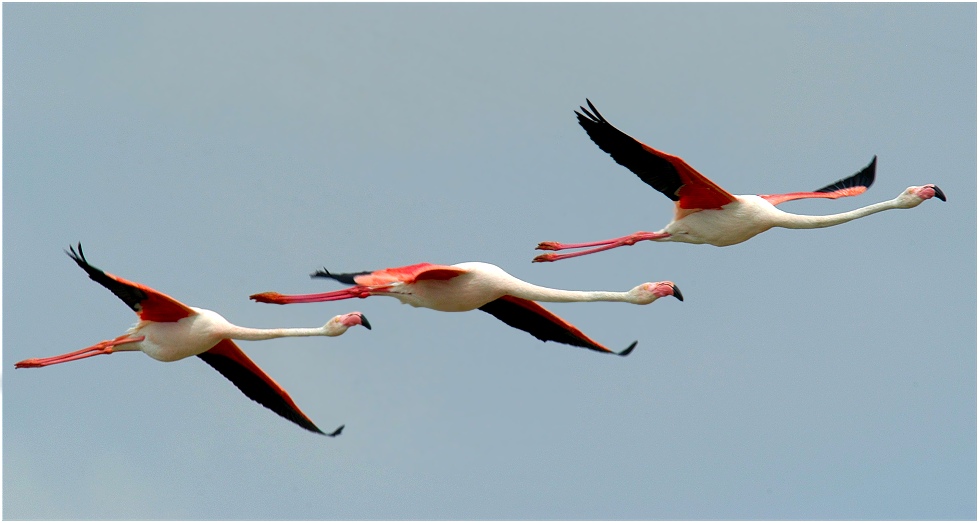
x=249, y=334
x=797, y=221
x=533, y=292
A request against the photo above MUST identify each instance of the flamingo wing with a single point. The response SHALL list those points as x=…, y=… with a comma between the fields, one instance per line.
x=149, y=304
x=407, y=274
x=233, y=364
x=347, y=277
x=851, y=186
x=542, y=324
x=664, y=172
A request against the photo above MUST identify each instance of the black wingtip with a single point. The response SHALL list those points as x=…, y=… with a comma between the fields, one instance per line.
x=939, y=194
x=77, y=256
x=347, y=278
x=593, y=116
x=628, y=349
x=870, y=172
x=336, y=432
x=864, y=178
x=593, y=109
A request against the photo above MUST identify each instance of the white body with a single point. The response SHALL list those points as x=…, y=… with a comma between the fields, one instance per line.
x=751, y=215
x=485, y=282
x=734, y=223
x=196, y=334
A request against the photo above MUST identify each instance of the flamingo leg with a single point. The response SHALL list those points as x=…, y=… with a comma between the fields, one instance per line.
x=600, y=246
x=343, y=294
x=102, y=347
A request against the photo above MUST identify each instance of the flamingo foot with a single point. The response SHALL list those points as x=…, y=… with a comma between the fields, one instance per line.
x=553, y=257
x=549, y=257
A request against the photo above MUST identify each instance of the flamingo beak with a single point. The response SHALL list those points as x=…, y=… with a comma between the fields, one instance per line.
x=938, y=193
x=676, y=293
x=364, y=322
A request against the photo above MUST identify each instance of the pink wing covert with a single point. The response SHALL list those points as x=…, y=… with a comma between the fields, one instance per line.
x=409, y=274
x=697, y=191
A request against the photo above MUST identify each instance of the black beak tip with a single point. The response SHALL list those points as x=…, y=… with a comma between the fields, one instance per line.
x=364, y=322
x=939, y=194
x=677, y=294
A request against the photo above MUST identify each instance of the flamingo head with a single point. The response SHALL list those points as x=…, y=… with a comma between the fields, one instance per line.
x=650, y=292
x=339, y=324
x=913, y=196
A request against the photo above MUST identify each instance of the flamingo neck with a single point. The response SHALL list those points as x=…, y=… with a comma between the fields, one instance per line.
x=250, y=334
x=528, y=291
x=798, y=221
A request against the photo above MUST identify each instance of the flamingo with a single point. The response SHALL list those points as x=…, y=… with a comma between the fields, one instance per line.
x=169, y=331
x=483, y=286
x=706, y=213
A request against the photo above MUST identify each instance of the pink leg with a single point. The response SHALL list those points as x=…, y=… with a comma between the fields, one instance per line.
x=601, y=245
x=282, y=299
x=102, y=347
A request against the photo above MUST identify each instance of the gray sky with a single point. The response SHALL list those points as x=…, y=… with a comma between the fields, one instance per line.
x=215, y=151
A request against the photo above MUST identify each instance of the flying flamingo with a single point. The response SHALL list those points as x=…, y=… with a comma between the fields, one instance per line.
x=706, y=213
x=483, y=286
x=169, y=331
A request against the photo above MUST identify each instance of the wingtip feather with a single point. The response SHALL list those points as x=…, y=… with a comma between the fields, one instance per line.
x=628, y=349
x=594, y=110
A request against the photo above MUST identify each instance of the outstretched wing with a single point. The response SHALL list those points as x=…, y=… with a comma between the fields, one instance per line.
x=149, y=305
x=664, y=172
x=530, y=317
x=233, y=364
x=407, y=274
x=347, y=277
x=851, y=186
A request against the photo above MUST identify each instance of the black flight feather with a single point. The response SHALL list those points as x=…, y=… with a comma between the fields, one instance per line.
x=630, y=153
x=543, y=329
x=864, y=178
x=133, y=296
x=347, y=278
x=257, y=389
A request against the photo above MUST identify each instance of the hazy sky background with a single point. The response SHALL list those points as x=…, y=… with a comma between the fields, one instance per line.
x=215, y=151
